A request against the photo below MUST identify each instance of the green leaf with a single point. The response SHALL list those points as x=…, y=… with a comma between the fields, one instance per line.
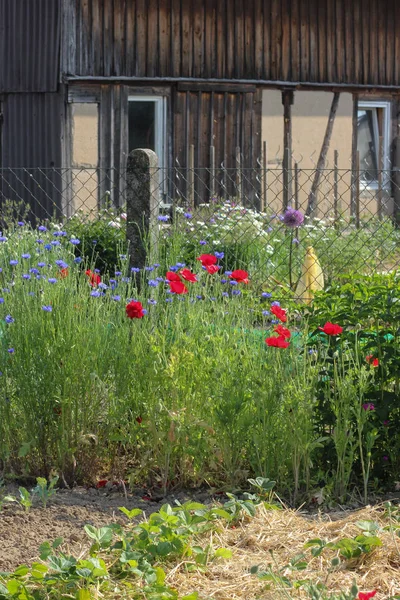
x=24, y=449
x=193, y=596
x=131, y=514
x=83, y=595
x=223, y=553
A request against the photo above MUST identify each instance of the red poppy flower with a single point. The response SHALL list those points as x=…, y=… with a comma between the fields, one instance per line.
x=277, y=342
x=63, y=273
x=207, y=259
x=188, y=275
x=170, y=276
x=280, y=313
x=177, y=287
x=282, y=331
x=366, y=595
x=94, y=278
x=331, y=329
x=374, y=362
x=240, y=276
x=212, y=269
x=134, y=310
x=101, y=483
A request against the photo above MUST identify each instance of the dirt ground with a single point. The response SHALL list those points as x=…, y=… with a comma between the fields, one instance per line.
x=21, y=533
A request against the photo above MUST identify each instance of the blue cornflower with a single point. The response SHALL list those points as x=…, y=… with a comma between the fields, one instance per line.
x=26, y=276
x=47, y=308
x=275, y=303
x=41, y=264
x=21, y=223
x=1, y=270
x=168, y=299
x=55, y=243
x=199, y=297
x=225, y=294
x=78, y=260
x=38, y=277
x=149, y=268
x=31, y=293
x=188, y=215
x=1, y=300
x=26, y=255
x=6, y=290
x=3, y=238
x=42, y=228
x=219, y=255
x=312, y=351
x=265, y=313
x=156, y=265
x=113, y=281
x=159, y=278
x=163, y=218
x=151, y=301
x=266, y=295
x=116, y=298
x=174, y=268
x=233, y=282
x=228, y=273
x=274, y=321
x=212, y=299
x=95, y=293
x=52, y=280
x=59, y=233
x=224, y=281
x=180, y=265
x=61, y=264
x=236, y=292
x=202, y=242
x=97, y=271
x=103, y=286
x=11, y=350
x=135, y=270
x=144, y=311
x=125, y=279
x=269, y=229
x=47, y=246
x=153, y=283
x=122, y=256
x=75, y=241
x=117, y=273
x=296, y=241
x=9, y=319
x=94, y=242
x=39, y=241
x=13, y=262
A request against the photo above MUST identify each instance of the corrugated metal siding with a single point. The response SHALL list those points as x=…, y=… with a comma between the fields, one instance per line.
x=31, y=151
x=321, y=41
x=29, y=45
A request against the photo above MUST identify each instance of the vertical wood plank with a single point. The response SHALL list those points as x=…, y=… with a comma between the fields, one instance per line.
x=313, y=33
x=276, y=39
x=295, y=41
x=198, y=40
x=330, y=40
x=373, y=41
x=286, y=40
x=229, y=34
x=239, y=38
x=152, y=54
x=382, y=42
x=322, y=40
x=357, y=41
x=175, y=28
x=187, y=36
x=258, y=21
x=141, y=38
x=397, y=43
x=304, y=41
x=348, y=41
x=164, y=38
x=209, y=38
x=365, y=41
x=267, y=39
x=249, y=38
x=221, y=42
x=131, y=38
x=339, y=31
x=108, y=40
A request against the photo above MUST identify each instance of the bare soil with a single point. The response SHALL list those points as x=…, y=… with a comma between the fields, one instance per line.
x=21, y=533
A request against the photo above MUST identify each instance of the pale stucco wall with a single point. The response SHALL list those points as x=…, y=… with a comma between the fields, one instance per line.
x=85, y=156
x=310, y=113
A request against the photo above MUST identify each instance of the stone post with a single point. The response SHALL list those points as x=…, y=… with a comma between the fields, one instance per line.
x=142, y=206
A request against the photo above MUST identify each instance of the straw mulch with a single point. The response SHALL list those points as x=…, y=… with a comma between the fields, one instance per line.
x=284, y=533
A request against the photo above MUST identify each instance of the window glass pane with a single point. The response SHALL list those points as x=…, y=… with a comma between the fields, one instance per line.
x=367, y=144
x=142, y=125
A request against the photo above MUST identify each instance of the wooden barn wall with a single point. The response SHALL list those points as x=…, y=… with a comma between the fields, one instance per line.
x=320, y=41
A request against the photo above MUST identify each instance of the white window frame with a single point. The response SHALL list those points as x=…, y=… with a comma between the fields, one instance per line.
x=160, y=122
x=386, y=106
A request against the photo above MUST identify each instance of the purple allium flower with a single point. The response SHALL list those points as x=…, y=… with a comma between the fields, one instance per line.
x=47, y=308
x=13, y=262
x=163, y=218
x=11, y=350
x=265, y=313
x=153, y=283
x=3, y=238
x=9, y=319
x=135, y=270
x=116, y=298
x=26, y=276
x=275, y=303
x=42, y=228
x=95, y=293
x=41, y=264
x=236, y=292
x=293, y=218
x=151, y=301
x=219, y=255
x=368, y=406
x=202, y=242
x=75, y=241
x=188, y=215
x=78, y=260
x=266, y=295
x=52, y=280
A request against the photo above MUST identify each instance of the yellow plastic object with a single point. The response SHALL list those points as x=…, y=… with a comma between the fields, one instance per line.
x=312, y=278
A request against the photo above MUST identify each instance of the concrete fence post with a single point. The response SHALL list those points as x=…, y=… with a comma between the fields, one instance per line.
x=142, y=206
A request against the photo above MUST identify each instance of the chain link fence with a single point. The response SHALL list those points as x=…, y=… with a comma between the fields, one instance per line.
x=350, y=218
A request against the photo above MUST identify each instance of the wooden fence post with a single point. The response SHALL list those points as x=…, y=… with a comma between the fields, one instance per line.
x=212, y=171
x=336, y=208
x=357, y=191
x=239, y=174
x=142, y=206
x=265, y=177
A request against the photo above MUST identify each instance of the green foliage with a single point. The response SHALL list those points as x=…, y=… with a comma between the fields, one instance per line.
x=45, y=490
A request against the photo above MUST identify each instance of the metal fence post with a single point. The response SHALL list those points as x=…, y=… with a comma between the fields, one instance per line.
x=142, y=206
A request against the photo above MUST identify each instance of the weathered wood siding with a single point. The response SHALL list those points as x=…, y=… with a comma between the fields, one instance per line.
x=320, y=41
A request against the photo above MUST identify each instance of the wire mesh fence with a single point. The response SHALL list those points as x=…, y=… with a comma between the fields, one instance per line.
x=349, y=223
